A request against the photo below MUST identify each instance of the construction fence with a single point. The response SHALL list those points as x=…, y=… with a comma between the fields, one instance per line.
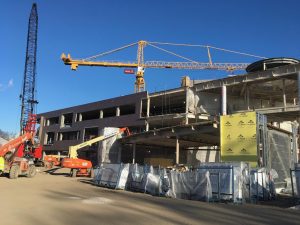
x=295, y=180
x=228, y=182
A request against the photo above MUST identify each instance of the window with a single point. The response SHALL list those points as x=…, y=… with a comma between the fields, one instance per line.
x=127, y=109
x=50, y=138
x=67, y=120
x=109, y=112
x=167, y=104
x=91, y=115
x=52, y=121
x=71, y=135
x=90, y=133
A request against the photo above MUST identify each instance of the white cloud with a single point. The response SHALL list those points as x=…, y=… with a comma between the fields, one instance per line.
x=10, y=83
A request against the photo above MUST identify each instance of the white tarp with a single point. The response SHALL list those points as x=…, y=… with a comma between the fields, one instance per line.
x=111, y=175
x=262, y=184
x=194, y=185
x=229, y=181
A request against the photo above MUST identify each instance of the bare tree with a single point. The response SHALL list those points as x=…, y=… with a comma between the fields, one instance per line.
x=6, y=135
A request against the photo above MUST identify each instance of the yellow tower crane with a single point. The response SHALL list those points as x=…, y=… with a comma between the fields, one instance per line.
x=140, y=64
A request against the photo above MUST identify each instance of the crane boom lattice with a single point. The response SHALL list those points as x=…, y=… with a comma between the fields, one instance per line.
x=140, y=64
x=27, y=95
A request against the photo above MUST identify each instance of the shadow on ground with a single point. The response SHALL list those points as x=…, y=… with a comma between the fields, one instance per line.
x=58, y=171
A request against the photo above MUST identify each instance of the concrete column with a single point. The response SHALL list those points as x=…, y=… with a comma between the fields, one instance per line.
x=148, y=113
x=283, y=93
x=133, y=152
x=101, y=114
x=56, y=136
x=224, y=100
x=46, y=139
x=148, y=106
x=186, y=106
x=118, y=111
x=61, y=120
x=42, y=125
x=79, y=117
x=74, y=118
x=248, y=97
x=177, y=150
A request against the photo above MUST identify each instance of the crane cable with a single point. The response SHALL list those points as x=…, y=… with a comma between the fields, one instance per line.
x=172, y=53
x=109, y=52
x=152, y=44
x=208, y=46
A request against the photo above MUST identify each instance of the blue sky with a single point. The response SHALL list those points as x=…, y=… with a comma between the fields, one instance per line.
x=87, y=27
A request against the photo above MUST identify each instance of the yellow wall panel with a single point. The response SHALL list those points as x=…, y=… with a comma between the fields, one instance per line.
x=238, y=138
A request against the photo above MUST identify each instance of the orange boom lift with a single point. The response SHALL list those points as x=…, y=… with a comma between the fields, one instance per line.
x=82, y=167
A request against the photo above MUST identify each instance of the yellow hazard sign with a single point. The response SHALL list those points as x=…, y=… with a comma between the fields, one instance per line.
x=238, y=138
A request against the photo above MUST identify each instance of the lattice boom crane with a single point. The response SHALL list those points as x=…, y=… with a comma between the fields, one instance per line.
x=27, y=95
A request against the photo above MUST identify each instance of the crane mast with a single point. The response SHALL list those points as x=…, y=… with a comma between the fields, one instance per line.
x=27, y=95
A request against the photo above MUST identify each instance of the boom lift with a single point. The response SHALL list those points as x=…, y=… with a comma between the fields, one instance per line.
x=82, y=167
x=140, y=64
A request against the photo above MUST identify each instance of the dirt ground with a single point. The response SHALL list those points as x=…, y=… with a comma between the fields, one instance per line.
x=58, y=199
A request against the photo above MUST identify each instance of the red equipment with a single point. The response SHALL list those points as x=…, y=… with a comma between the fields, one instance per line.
x=19, y=153
x=79, y=167
x=51, y=160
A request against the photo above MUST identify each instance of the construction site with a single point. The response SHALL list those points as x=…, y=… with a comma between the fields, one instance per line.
x=210, y=151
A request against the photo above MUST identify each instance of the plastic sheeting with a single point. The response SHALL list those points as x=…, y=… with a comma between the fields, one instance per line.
x=144, y=179
x=136, y=178
x=280, y=155
x=111, y=175
x=208, y=182
x=262, y=184
x=193, y=185
x=229, y=181
x=296, y=182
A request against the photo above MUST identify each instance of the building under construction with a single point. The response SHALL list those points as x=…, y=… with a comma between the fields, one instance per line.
x=182, y=125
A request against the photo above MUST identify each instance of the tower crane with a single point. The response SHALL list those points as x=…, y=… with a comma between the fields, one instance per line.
x=140, y=64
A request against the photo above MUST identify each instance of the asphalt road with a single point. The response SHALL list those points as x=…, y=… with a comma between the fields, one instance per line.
x=58, y=199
